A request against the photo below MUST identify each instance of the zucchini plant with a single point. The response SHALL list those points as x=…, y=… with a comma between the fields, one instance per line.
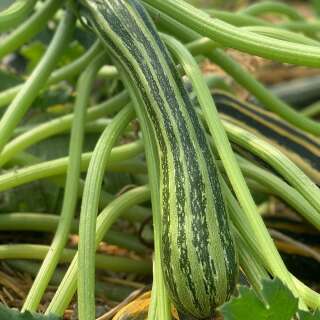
x=191, y=155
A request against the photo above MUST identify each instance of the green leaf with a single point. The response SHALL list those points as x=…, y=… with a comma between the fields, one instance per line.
x=278, y=303
x=10, y=314
x=33, y=53
x=8, y=79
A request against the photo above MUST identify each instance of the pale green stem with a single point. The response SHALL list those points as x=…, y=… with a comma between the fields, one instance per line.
x=312, y=110
x=241, y=222
x=59, y=125
x=285, y=35
x=269, y=100
x=251, y=267
x=236, y=38
x=281, y=189
x=264, y=7
x=50, y=262
x=64, y=73
x=58, y=167
x=237, y=19
x=15, y=14
x=110, y=263
x=135, y=214
x=29, y=28
x=106, y=218
x=32, y=86
x=278, y=161
x=45, y=222
x=89, y=209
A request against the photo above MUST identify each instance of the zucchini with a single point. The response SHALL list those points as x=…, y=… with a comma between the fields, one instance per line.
x=300, y=147
x=198, y=255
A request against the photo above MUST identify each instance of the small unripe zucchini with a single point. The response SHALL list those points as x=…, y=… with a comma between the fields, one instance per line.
x=198, y=254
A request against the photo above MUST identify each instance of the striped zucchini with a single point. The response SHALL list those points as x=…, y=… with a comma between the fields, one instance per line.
x=198, y=256
x=302, y=148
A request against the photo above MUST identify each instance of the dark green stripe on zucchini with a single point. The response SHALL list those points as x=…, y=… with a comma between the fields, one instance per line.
x=198, y=256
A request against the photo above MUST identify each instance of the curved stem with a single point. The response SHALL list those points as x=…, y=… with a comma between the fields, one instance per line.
x=312, y=110
x=278, y=161
x=281, y=189
x=114, y=292
x=50, y=262
x=60, y=74
x=302, y=26
x=251, y=267
x=264, y=7
x=59, y=166
x=29, y=28
x=15, y=14
x=237, y=19
x=89, y=208
x=242, y=224
x=269, y=100
x=110, y=263
x=68, y=285
x=134, y=214
x=45, y=222
x=58, y=125
x=31, y=87
x=232, y=37
x=285, y=35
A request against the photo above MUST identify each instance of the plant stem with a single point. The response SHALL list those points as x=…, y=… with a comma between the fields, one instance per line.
x=278, y=161
x=111, y=291
x=29, y=28
x=251, y=267
x=58, y=167
x=243, y=225
x=104, y=262
x=239, y=220
x=89, y=208
x=31, y=87
x=134, y=214
x=281, y=189
x=312, y=110
x=285, y=35
x=64, y=73
x=198, y=45
x=266, y=7
x=269, y=100
x=238, y=19
x=15, y=14
x=232, y=37
x=68, y=286
x=49, y=264
x=59, y=125
x=45, y=222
